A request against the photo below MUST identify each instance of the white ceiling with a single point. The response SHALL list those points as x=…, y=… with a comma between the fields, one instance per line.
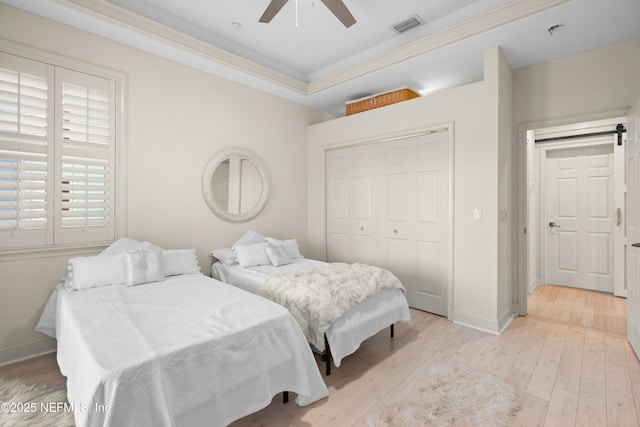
x=322, y=64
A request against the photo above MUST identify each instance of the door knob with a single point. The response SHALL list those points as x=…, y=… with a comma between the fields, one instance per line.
x=636, y=245
x=553, y=224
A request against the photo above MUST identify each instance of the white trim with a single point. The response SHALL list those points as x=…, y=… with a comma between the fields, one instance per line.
x=237, y=67
x=32, y=349
x=120, y=161
x=522, y=200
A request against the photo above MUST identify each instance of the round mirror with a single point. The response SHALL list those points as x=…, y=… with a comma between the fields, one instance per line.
x=235, y=185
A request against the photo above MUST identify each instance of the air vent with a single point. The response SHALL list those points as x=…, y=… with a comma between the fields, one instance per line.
x=407, y=24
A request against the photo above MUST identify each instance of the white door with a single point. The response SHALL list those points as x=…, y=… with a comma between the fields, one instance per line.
x=414, y=217
x=633, y=227
x=352, y=198
x=580, y=217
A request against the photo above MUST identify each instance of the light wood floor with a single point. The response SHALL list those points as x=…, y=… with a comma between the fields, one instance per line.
x=579, y=307
x=565, y=375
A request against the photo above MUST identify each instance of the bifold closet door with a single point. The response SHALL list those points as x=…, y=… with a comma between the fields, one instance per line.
x=352, y=202
x=414, y=217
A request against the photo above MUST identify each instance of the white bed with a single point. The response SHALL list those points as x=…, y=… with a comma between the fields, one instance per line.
x=185, y=351
x=362, y=321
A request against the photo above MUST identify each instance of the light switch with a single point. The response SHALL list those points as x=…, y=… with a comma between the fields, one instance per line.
x=477, y=214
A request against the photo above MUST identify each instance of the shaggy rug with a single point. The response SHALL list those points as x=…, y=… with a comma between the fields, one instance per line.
x=449, y=397
x=32, y=405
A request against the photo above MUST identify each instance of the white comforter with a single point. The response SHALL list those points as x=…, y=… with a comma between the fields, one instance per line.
x=186, y=351
x=319, y=296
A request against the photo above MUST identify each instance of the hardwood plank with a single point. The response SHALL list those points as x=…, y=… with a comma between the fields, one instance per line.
x=633, y=364
x=562, y=409
x=593, y=357
x=530, y=352
x=544, y=375
x=614, y=351
x=570, y=366
x=579, y=307
x=533, y=412
x=621, y=410
x=506, y=358
x=592, y=403
x=576, y=309
x=621, y=315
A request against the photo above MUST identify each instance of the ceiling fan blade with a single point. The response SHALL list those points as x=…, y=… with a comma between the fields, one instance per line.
x=271, y=11
x=338, y=8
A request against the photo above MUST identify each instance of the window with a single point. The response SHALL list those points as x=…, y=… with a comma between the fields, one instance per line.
x=57, y=155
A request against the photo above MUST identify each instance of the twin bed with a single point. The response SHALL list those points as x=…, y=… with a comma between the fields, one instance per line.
x=378, y=311
x=376, y=297
x=187, y=350
x=145, y=339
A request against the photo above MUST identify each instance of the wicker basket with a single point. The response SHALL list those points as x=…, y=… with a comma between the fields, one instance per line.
x=380, y=100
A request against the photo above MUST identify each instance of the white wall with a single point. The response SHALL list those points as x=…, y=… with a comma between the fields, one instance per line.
x=597, y=84
x=177, y=119
x=473, y=109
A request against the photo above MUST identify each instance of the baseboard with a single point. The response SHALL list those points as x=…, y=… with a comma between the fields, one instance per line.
x=533, y=284
x=18, y=353
x=505, y=319
x=485, y=325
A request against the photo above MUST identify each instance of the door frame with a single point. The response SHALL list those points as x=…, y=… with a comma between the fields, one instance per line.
x=541, y=152
x=520, y=291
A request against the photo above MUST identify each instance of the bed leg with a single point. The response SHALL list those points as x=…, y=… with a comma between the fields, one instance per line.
x=285, y=397
x=327, y=355
x=392, y=331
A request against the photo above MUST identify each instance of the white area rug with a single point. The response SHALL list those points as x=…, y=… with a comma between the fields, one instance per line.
x=29, y=405
x=449, y=397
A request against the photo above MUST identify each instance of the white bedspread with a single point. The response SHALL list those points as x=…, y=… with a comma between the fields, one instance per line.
x=187, y=351
x=349, y=331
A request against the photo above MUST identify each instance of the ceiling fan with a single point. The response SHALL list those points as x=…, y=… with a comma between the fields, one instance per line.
x=336, y=7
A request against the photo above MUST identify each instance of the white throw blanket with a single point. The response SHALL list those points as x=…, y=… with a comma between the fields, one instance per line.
x=319, y=296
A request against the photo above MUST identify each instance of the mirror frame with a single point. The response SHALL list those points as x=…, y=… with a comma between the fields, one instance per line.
x=207, y=187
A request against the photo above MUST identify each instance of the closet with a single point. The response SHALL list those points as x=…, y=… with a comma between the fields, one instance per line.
x=388, y=205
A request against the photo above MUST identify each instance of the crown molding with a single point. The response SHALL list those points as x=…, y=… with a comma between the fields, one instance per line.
x=514, y=11
x=488, y=21
x=122, y=17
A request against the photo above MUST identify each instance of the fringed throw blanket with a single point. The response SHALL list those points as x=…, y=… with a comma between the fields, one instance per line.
x=318, y=296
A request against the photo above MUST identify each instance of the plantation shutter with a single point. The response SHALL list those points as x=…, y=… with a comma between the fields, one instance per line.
x=85, y=154
x=25, y=172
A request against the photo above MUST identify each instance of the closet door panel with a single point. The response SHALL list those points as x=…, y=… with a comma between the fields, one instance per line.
x=396, y=193
x=338, y=246
x=396, y=258
x=431, y=222
x=428, y=272
x=351, y=204
x=396, y=198
x=427, y=196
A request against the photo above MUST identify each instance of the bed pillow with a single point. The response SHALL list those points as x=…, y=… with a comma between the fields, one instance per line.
x=144, y=267
x=250, y=237
x=148, y=246
x=180, y=261
x=121, y=245
x=226, y=256
x=95, y=271
x=291, y=246
x=252, y=255
x=278, y=255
